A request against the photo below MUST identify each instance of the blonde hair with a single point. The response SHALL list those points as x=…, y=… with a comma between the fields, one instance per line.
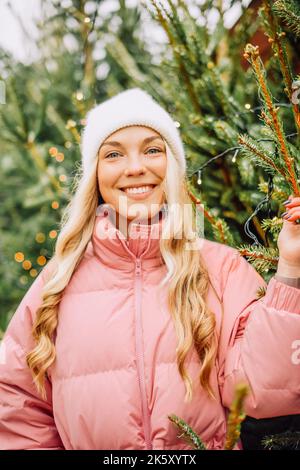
x=187, y=277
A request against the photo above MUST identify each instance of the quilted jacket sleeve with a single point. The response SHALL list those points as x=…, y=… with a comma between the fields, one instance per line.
x=26, y=420
x=262, y=346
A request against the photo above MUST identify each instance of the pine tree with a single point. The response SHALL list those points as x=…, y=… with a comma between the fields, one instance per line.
x=263, y=145
x=235, y=156
x=289, y=12
x=40, y=126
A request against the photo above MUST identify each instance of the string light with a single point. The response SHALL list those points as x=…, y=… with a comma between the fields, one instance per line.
x=40, y=237
x=235, y=155
x=62, y=178
x=41, y=260
x=60, y=157
x=79, y=95
x=248, y=106
x=199, y=180
x=53, y=234
x=19, y=256
x=237, y=149
x=26, y=264
x=33, y=272
x=23, y=280
x=55, y=205
x=70, y=124
x=53, y=151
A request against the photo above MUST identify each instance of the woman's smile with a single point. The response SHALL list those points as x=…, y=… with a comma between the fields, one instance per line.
x=139, y=192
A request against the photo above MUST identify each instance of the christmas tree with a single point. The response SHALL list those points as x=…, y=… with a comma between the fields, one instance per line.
x=241, y=195
x=40, y=125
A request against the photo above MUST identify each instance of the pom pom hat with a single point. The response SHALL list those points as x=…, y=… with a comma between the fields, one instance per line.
x=128, y=108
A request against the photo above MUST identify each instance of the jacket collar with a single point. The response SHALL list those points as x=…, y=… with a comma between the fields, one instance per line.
x=112, y=247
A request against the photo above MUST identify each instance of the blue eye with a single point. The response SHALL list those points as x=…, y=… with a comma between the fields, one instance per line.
x=157, y=150
x=116, y=153
x=107, y=156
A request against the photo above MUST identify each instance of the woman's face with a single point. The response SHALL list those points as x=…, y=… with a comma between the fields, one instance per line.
x=130, y=158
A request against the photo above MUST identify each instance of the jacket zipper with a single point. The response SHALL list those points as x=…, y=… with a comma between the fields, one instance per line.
x=140, y=355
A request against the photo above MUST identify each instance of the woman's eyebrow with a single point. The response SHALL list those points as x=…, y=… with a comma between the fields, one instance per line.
x=147, y=140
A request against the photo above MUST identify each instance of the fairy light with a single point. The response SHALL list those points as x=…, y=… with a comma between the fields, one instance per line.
x=19, y=257
x=40, y=237
x=79, y=95
x=26, y=264
x=70, y=124
x=41, y=260
x=199, y=180
x=53, y=234
x=53, y=151
x=33, y=272
x=62, y=178
x=248, y=106
x=23, y=280
x=235, y=155
x=55, y=205
x=60, y=157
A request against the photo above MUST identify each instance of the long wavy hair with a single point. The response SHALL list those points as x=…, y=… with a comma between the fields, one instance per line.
x=187, y=277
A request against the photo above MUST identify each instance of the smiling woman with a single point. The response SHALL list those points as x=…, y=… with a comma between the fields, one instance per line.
x=132, y=165
x=119, y=332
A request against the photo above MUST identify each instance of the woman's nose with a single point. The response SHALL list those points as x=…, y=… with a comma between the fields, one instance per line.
x=135, y=168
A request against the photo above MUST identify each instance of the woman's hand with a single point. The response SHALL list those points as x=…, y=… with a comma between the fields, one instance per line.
x=289, y=240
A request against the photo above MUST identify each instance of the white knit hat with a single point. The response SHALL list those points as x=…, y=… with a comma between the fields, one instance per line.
x=128, y=108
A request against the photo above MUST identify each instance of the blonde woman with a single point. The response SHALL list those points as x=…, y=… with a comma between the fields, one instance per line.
x=137, y=316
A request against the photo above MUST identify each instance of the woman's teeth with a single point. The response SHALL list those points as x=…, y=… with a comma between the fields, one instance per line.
x=142, y=189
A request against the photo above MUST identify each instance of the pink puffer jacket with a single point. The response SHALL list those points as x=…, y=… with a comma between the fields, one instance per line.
x=115, y=379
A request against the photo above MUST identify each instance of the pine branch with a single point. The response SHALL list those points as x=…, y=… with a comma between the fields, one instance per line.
x=277, y=40
x=287, y=440
x=120, y=53
x=184, y=72
x=289, y=12
x=261, y=292
x=273, y=225
x=188, y=434
x=220, y=228
x=236, y=417
x=271, y=118
x=234, y=420
x=262, y=258
x=255, y=151
x=279, y=193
